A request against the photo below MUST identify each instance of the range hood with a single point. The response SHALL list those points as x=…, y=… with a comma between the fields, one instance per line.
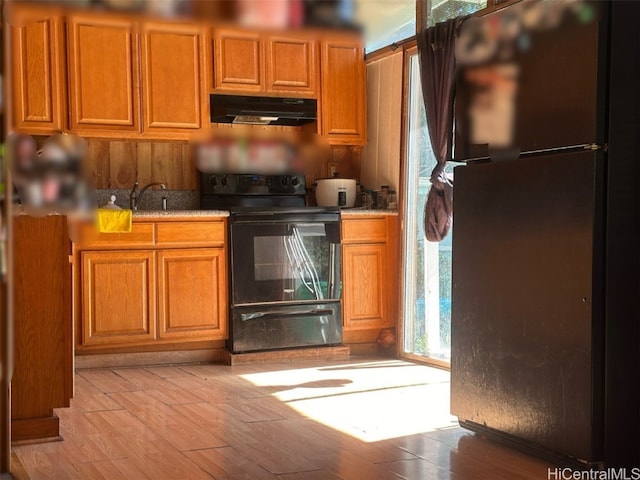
x=262, y=110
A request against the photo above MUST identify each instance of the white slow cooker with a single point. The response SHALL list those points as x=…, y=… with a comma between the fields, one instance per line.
x=336, y=192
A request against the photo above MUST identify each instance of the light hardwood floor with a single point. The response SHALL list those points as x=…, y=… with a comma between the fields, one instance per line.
x=373, y=419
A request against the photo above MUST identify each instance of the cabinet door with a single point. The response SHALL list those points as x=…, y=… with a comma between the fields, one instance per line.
x=103, y=75
x=364, y=292
x=343, y=92
x=192, y=294
x=172, y=78
x=37, y=59
x=118, y=300
x=291, y=65
x=239, y=62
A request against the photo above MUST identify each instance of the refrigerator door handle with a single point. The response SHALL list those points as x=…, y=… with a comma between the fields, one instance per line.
x=595, y=147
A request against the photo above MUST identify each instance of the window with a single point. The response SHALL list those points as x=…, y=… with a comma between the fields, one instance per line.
x=442, y=10
x=386, y=22
x=427, y=277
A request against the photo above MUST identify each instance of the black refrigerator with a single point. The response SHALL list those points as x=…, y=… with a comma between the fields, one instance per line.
x=545, y=331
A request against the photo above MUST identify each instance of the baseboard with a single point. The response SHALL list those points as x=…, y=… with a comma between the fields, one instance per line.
x=145, y=359
x=341, y=352
x=35, y=430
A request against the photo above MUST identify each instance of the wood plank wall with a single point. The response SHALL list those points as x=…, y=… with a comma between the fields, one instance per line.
x=381, y=155
x=345, y=160
x=117, y=163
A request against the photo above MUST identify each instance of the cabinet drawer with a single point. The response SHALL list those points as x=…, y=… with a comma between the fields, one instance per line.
x=364, y=230
x=191, y=233
x=141, y=235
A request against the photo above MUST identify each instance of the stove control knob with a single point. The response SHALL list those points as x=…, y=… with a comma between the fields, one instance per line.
x=213, y=181
x=295, y=181
x=283, y=180
x=224, y=181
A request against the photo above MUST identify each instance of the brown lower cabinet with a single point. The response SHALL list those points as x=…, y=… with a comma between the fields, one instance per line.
x=118, y=297
x=370, y=275
x=43, y=349
x=165, y=284
x=365, y=305
x=192, y=301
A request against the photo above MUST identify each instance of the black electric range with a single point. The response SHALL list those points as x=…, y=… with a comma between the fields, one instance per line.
x=284, y=262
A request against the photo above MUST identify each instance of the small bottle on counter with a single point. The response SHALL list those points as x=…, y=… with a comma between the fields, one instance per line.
x=393, y=200
x=164, y=203
x=111, y=204
x=383, y=197
x=367, y=200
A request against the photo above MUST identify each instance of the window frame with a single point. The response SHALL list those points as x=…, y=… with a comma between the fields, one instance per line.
x=410, y=48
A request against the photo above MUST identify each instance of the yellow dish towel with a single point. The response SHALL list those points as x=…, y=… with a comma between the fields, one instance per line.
x=114, y=221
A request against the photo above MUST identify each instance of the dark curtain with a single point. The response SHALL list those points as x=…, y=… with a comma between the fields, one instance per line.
x=436, y=47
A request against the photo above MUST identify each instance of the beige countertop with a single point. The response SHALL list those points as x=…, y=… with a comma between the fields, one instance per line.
x=140, y=214
x=361, y=211
x=148, y=214
x=224, y=213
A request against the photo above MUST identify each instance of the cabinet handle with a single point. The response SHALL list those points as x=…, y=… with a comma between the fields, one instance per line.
x=285, y=313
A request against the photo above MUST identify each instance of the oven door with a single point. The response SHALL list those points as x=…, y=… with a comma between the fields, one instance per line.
x=288, y=261
x=269, y=327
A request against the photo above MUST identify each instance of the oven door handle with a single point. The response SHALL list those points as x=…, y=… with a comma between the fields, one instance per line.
x=321, y=312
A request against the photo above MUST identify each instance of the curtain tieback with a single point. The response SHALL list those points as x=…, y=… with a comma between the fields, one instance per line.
x=439, y=178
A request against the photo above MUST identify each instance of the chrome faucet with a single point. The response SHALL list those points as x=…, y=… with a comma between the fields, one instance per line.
x=136, y=195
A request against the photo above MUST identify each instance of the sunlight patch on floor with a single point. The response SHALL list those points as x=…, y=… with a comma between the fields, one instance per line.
x=371, y=401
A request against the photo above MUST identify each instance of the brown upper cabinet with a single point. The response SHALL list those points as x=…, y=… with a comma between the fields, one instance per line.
x=273, y=63
x=292, y=64
x=173, y=76
x=115, y=65
x=238, y=60
x=112, y=76
x=103, y=75
x=38, y=74
x=343, y=91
